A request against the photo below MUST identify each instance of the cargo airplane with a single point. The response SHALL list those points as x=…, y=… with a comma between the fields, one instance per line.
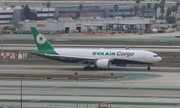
x=99, y=58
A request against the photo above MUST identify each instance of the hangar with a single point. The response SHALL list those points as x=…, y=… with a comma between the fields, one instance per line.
x=88, y=24
x=119, y=26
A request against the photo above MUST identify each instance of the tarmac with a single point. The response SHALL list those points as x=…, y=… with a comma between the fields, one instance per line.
x=138, y=88
x=130, y=37
x=154, y=38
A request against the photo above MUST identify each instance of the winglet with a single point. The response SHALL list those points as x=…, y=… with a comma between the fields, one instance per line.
x=41, y=42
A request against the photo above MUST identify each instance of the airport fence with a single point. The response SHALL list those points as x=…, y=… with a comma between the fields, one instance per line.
x=12, y=55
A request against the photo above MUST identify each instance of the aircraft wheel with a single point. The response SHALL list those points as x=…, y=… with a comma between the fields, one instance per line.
x=88, y=68
x=95, y=67
x=91, y=68
x=148, y=68
x=85, y=68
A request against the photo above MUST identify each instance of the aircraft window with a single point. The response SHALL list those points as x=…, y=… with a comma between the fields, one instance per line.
x=156, y=56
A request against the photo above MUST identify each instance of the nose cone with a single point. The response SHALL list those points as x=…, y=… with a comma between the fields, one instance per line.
x=158, y=59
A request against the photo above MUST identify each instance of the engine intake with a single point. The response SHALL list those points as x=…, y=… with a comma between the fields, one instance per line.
x=103, y=63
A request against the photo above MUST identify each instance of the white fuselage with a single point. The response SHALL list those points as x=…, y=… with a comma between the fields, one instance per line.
x=112, y=54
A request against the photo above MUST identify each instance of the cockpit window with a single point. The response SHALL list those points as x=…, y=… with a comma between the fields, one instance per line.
x=156, y=56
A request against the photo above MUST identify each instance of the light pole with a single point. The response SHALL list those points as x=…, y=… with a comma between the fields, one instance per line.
x=21, y=76
x=1, y=32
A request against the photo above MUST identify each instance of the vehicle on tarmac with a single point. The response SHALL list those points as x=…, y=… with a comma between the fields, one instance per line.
x=99, y=58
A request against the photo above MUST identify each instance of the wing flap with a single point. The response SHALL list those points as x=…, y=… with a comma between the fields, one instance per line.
x=74, y=57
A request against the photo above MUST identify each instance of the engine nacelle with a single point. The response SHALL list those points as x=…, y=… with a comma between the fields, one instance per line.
x=123, y=65
x=103, y=63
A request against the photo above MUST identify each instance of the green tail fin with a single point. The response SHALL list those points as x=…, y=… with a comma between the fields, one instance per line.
x=41, y=42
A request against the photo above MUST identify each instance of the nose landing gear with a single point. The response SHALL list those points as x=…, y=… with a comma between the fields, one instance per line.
x=149, y=67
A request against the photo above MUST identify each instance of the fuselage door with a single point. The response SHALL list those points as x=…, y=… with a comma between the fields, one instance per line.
x=144, y=56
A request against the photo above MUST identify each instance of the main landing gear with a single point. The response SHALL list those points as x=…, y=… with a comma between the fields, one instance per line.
x=149, y=67
x=88, y=67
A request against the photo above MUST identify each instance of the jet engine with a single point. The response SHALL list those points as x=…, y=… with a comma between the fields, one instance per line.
x=103, y=63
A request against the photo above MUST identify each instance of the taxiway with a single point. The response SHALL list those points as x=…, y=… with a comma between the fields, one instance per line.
x=140, y=88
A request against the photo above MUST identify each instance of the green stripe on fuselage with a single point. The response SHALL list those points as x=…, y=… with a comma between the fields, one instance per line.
x=44, y=53
x=51, y=51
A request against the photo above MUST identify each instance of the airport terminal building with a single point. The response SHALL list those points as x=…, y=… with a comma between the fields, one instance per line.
x=11, y=10
x=11, y=16
x=62, y=18
x=102, y=11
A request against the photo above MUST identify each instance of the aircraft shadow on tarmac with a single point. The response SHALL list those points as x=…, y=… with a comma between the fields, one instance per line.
x=136, y=69
x=122, y=69
x=80, y=69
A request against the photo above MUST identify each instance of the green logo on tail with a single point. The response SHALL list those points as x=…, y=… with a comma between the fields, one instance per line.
x=41, y=42
x=40, y=39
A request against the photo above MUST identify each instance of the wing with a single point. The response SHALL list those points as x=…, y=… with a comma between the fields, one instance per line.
x=80, y=58
x=74, y=57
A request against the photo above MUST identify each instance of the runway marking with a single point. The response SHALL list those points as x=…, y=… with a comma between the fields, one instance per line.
x=55, y=87
x=178, y=104
x=155, y=97
x=149, y=103
x=145, y=82
x=130, y=88
x=33, y=101
x=73, y=96
x=106, y=102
